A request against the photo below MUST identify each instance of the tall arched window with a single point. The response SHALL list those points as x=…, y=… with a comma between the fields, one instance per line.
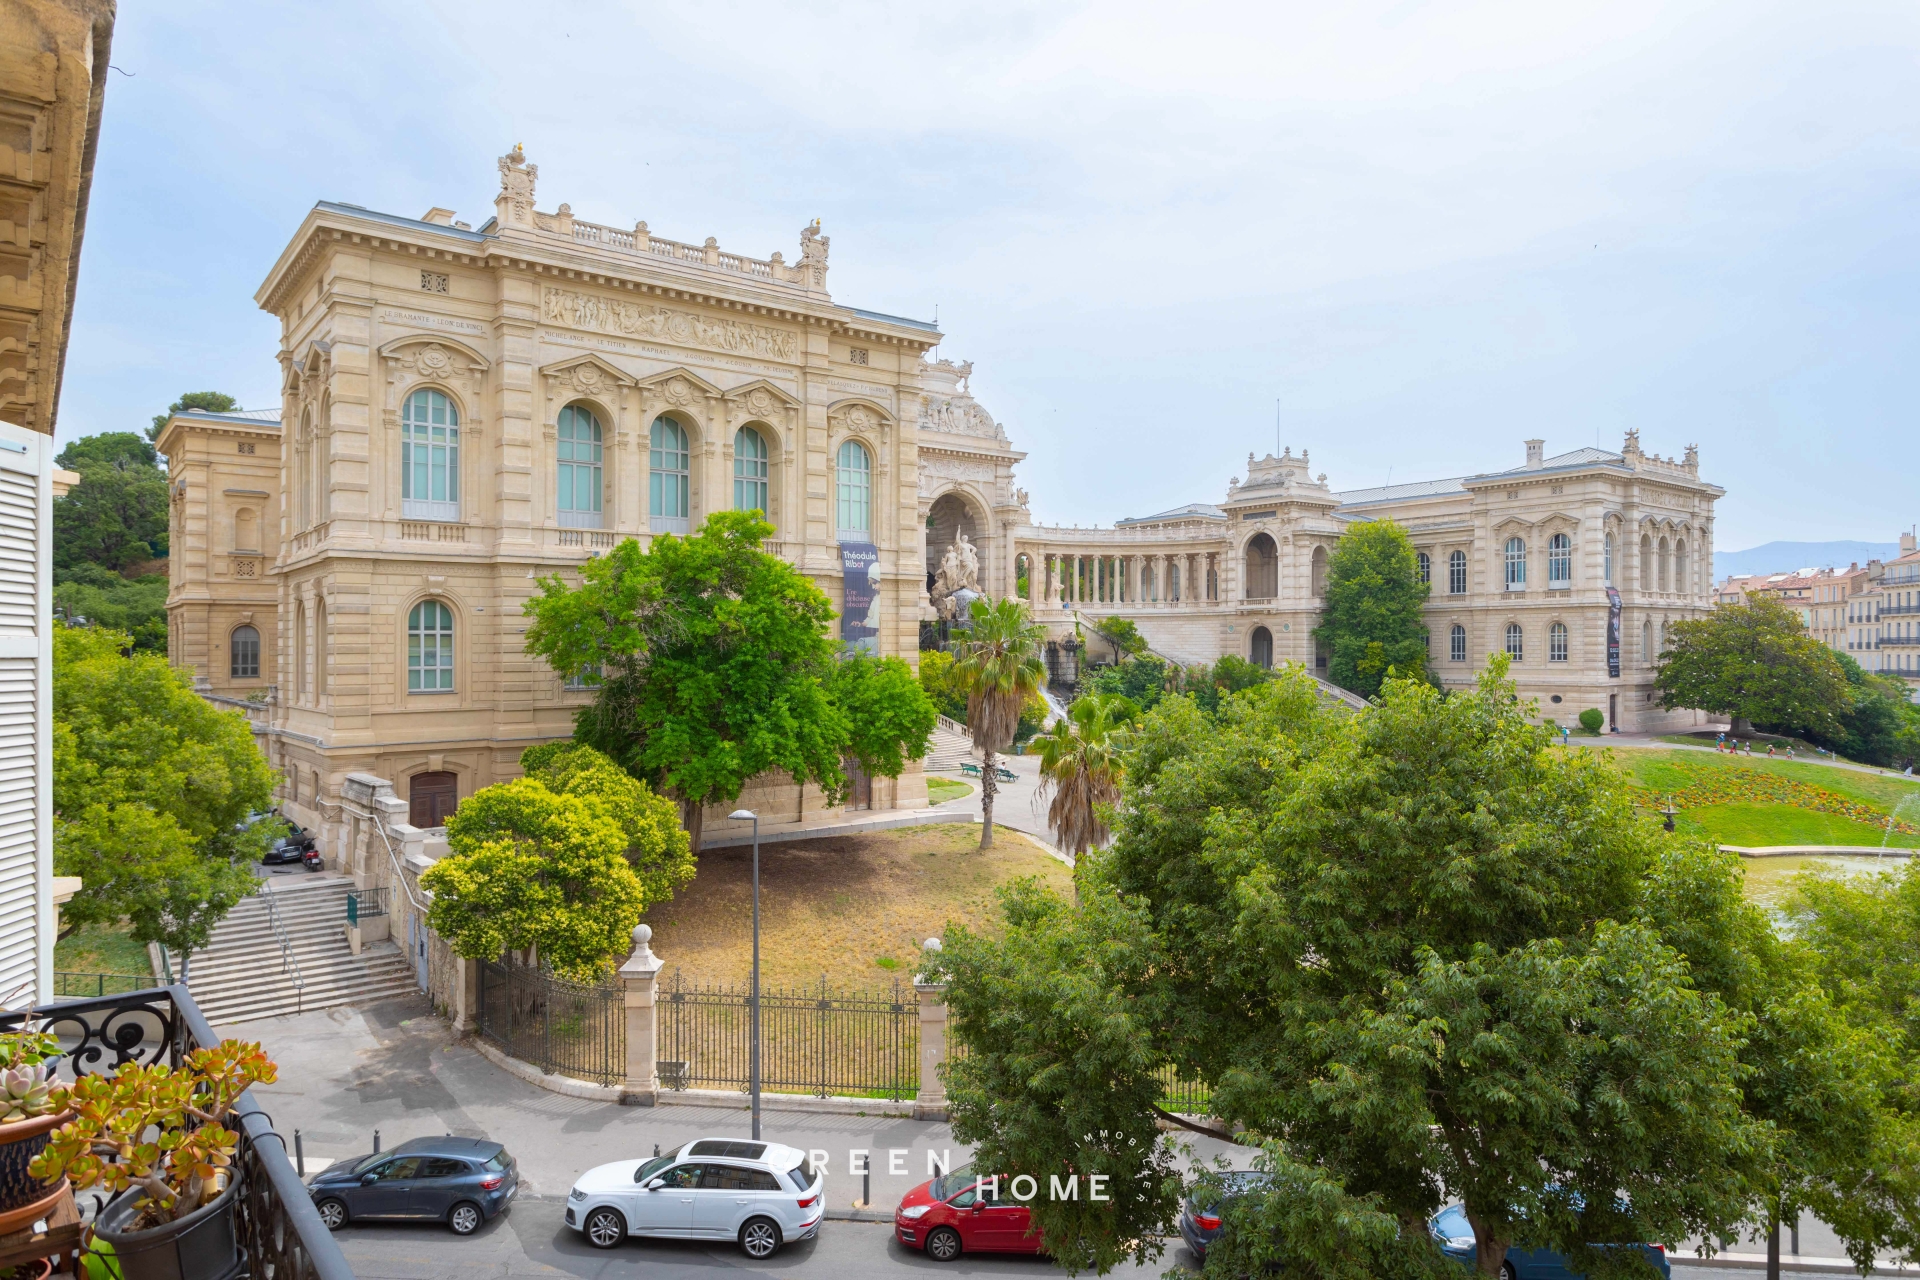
x=1516, y=564
x=1646, y=563
x=430, y=648
x=751, y=467
x=668, y=510
x=1263, y=568
x=1646, y=642
x=302, y=463
x=1557, y=642
x=1559, y=561
x=1680, y=565
x=1457, y=574
x=246, y=529
x=429, y=457
x=320, y=645
x=300, y=650
x=1607, y=569
x=1457, y=642
x=1261, y=651
x=1319, y=578
x=1660, y=559
x=580, y=477
x=1515, y=641
x=243, y=649
x=853, y=492
x=1424, y=564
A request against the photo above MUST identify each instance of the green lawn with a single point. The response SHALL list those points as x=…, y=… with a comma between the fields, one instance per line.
x=941, y=790
x=1762, y=822
x=97, y=949
x=1667, y=770
x=1758, y=825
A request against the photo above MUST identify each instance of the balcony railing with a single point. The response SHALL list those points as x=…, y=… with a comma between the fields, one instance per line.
x=280, y=1233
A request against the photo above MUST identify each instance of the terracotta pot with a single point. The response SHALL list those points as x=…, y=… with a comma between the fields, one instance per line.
x=38, y=1269
x=20, y=1142
x=201, y=1246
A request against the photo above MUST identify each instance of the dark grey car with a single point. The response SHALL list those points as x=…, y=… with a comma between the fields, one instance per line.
x=462, y=1182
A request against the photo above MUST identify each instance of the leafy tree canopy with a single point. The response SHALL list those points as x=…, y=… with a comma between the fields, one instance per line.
x=152, y=789
x=104, y=598
x=1426, y=958
x=717, y=666
x=889, y=716
x=206, y=401
x=936, y=681
x=1754, y=662
x=116, y=516
x=1000, y=670
x=1371, y=623
x=1880, y=724
x=1125, y=635
x=658, y=848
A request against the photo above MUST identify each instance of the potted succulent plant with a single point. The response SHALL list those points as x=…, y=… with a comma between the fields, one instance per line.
x=159, y=1137
x=32, y=1106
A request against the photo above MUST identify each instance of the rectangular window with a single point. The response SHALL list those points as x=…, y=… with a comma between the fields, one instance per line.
x=1457, y=645
x=429, y=471
x=1457, y=574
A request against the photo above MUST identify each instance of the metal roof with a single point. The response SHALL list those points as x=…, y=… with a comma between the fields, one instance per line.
x=882, y=317
x=1192, y=511
x=252, y=417
x=1392, y=492
x=394, y=219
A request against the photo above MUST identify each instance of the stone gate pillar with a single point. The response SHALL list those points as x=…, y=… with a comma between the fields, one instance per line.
x=640, y=976
x=930, y=1103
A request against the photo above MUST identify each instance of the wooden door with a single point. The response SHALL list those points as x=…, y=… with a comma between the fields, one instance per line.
x=431, y=797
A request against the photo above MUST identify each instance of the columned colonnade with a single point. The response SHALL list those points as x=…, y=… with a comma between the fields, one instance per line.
x=1164, y=578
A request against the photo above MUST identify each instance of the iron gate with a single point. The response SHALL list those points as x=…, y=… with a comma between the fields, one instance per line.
x=813, y=1039
x=576, y=1029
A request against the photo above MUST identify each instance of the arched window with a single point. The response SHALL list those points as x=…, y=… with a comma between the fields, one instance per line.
x=300, y=650
x=579, y=454
x=853, y=492
x=1457, y=641
x=1559, y=561
x=246, y=529
x=1661, y=560
x=668, y=510
x=1261, y=652
x=1515, y=641
x=1557, y=642
x=1608, y=567
x=1263, y=568
x=1319, y=571
x=430, y=648
x=302, y=463
x=1424, y=565
x=1646, y=642
x=1680, y=565
x=429, y=457
x=1457, y=574
x=1516, y=564
x=751, y=467
x=320, y=645
x=243, y=648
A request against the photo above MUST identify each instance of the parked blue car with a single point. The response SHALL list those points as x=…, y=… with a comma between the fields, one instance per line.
x=1454, y=1233
x=462, y=1182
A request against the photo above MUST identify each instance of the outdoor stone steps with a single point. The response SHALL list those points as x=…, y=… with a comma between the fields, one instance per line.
x=239, y=976
x=947, y=750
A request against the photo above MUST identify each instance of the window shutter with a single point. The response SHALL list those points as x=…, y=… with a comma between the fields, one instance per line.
x=26, y=717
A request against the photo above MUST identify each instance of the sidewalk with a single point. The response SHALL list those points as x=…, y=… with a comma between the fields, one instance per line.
x=1016, y=804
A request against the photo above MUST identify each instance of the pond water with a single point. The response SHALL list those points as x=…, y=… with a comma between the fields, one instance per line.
x=1770, y=879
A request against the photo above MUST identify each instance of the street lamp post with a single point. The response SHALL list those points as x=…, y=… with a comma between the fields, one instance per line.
x=753, y=998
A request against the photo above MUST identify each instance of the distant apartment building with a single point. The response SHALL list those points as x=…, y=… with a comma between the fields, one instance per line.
x=1886, y=629
x=1819, y=596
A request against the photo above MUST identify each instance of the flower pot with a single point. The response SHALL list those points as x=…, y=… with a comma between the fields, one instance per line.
x=20, y=1142
x=201, y=1246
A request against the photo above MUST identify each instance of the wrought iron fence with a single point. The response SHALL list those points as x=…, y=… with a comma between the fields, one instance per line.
x=280, y=1232
x=362, y=903
x=575, y=1029
x=814, y=1040
x=81, y=986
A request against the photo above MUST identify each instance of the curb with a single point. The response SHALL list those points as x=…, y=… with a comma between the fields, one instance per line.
x=1790, y=1262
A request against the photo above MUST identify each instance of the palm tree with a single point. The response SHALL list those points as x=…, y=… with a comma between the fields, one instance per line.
x=999, y=668
x=1080, y=764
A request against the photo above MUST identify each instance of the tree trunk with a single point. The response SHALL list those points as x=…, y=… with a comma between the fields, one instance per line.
x=693, y=817
x=1742, y=727
x=1773, y=1248
x=989, y=784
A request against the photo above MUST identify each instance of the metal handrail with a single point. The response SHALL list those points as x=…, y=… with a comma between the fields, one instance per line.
x=288, y=962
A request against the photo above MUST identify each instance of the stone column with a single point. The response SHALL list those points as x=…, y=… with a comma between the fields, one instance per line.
x=640, y=975
x=930, y=1103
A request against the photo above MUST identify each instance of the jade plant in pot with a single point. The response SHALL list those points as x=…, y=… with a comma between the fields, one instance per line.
x=32, y=1106
x=158, y=1137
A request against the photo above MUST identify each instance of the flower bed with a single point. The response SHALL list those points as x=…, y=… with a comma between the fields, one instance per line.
x=1753, y=786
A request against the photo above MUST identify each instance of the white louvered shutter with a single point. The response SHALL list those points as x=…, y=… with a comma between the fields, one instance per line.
x=26, y=717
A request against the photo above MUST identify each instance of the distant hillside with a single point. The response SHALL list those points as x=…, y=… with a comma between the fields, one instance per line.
x=1784, y=557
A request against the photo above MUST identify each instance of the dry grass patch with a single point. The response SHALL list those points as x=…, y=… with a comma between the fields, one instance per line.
x=854, y=908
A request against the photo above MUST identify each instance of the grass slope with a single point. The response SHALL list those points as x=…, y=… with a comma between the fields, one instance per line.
x=941, y=790
x=855, y=908
x=96, y=949
x=1765, y=823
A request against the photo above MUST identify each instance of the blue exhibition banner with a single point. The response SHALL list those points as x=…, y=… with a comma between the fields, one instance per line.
x=860, y=596
x=1613, y=633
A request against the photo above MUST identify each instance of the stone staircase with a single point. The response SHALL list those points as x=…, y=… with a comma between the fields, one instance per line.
x=948, y=748
x=241, y=975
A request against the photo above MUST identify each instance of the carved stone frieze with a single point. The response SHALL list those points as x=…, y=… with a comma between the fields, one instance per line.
x=433, y=362
x=579, y=310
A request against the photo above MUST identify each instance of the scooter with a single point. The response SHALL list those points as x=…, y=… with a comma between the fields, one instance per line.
x=311, y=859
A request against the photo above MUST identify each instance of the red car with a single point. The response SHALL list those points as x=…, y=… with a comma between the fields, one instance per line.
x=959, y=1213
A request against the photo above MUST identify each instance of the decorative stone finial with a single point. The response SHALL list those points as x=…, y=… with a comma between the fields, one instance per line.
x=931, y=944
x=514, y=204
x=642, y=951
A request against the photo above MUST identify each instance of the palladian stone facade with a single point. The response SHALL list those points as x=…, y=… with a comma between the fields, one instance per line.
x=465, y=411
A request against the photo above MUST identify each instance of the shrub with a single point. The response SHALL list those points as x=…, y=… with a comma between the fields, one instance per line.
x=1591, y=719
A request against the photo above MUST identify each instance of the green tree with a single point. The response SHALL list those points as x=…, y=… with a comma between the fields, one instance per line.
x=530, y=868
x=1412, y=945
x=1753, y=662
x=936, y=681
x=106, y=599
x=716, y=666
x=206, y=401
x=1371, y=623
x=1142, y=680
x=116, y=516
x=1879, y=724
x=889, y=716
x=1000, y=670
x=151, y=794
x=658, y=848
x=1123, y=634
x=1080, y=768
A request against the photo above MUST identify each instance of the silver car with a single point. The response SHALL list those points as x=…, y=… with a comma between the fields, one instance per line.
x=758, y=1193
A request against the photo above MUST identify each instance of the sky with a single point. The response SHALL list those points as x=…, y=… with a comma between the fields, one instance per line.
x=1403, y=236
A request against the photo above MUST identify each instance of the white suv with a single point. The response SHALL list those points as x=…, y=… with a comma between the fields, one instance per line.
x=759, y=1193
